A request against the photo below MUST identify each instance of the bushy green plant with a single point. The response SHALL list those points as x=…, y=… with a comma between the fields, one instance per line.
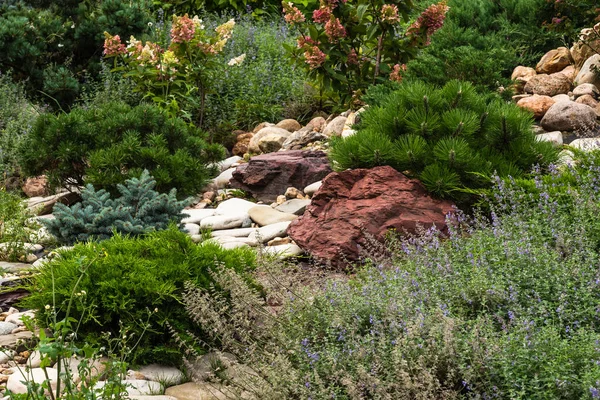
x=52, y=46
x=138, y=210
x=450, y=138
x=17, y=116
x=107, y=144
x=502, y=307
x=263, y=85
x=14, y=228
x=347, y=46
x=482, y=42
x=128, y=278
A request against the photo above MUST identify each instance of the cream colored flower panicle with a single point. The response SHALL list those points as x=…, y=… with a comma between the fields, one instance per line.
x=218, y=47
x=237, y=60
x=226, y=29
x=198, y=22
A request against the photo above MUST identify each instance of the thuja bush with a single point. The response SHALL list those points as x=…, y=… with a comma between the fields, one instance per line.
x=138, y=210
x=501, y=307
x=52, y=46
x=128, y=281
x=107, y=144
x=348, y=45
x=452, y=139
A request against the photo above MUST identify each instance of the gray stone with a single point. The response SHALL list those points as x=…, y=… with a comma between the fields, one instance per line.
x=234, y=239
x=269, y=232
x=233, y=206
x=228, y=162
x=588, y=72
x=7, y=327
x=586, y=144
x=191, y=229
x=137, y=387
x=14, y=267
x=312, y=188
x=300, y=139
x=586, y=88
x=271, y=142
x=553, y=137
x=6, y=355
x=152, y=397
x=569, y=116
x=222, y=181
x=13, y=340
x=168, y=376
x=335, y=127
x=265, y=215
x=293, y=206
x=200, y=391
x=284, y=251
x=240, y=232
x=27, y=247
x=229, y=221
x=197, y=215
x=37, y=375
x=254, y=145
x=561, y=97
x=17, y=318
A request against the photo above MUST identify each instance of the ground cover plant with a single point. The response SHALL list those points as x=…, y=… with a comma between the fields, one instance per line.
x=128, y=282
x=14, y=227
x=450, y=138
x=107, y=144
x=504, y=307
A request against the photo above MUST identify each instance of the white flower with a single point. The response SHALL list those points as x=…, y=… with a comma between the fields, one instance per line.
x=61, y=45
x=73, y=25
x=150, y=24
x=198, y=22
x=237, y=60
x=47, y=307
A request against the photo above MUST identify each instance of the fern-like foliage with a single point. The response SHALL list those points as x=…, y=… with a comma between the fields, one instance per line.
x=139, y=210
x=452, y=138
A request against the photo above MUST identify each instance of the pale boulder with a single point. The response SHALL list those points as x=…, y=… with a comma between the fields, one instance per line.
x=537, y=104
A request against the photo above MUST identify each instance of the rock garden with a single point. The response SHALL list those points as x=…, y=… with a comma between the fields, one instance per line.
x=299, y=200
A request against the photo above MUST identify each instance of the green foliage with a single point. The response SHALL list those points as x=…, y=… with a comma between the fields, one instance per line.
x=482, y=41
x=503, y=307
x=17, y=116
x=450, y=138
x=126, y=280
x=265, y=86
x=345, y=46
x=107, y=144
x=51, y=47
x=139, y=210
x=14, y=228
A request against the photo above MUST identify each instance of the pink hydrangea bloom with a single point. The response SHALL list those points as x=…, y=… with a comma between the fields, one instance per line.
x=352, y=58
x=321, y=16
x=334, y=29
x=183, y=29
x=292, y=14
x=389, y=13
x=396, y=74
x=429, y=21
x=113, y=46
x=314, y=57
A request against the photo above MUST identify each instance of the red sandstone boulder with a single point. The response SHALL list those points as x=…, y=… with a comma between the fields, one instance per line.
x=353, y=202
x=35, y=187
x=269, y=175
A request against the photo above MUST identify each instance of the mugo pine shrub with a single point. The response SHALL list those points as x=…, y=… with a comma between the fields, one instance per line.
x=449, y=138
x=127, y=281
x=107, y=144
x=140, y=209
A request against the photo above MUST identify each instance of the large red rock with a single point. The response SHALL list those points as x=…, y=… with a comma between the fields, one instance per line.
x=269, y=175
x=353, y=202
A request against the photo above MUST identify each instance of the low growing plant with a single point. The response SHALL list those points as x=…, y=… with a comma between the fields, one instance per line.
x=15, y=230
x=139, y=209
x=451, y=138
x=109, y=143
x=503, y=307
x=128, y=278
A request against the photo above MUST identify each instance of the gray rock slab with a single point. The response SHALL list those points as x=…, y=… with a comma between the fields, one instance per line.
x=266, y=233
x=294, y=206
x=197, y=215
x=266, y=215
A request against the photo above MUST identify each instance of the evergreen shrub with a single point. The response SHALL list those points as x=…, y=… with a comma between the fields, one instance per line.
x=139, y=210
x=452, y=139
x=53, y=46
x=127, y=281
x=107, y=144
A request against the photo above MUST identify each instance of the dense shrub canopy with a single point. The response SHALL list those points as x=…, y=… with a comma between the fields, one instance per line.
x=128, y=281
x=450, y=138
x=107, y=144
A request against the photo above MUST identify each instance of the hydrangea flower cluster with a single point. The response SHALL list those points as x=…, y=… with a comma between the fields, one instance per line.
x=430, y=20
